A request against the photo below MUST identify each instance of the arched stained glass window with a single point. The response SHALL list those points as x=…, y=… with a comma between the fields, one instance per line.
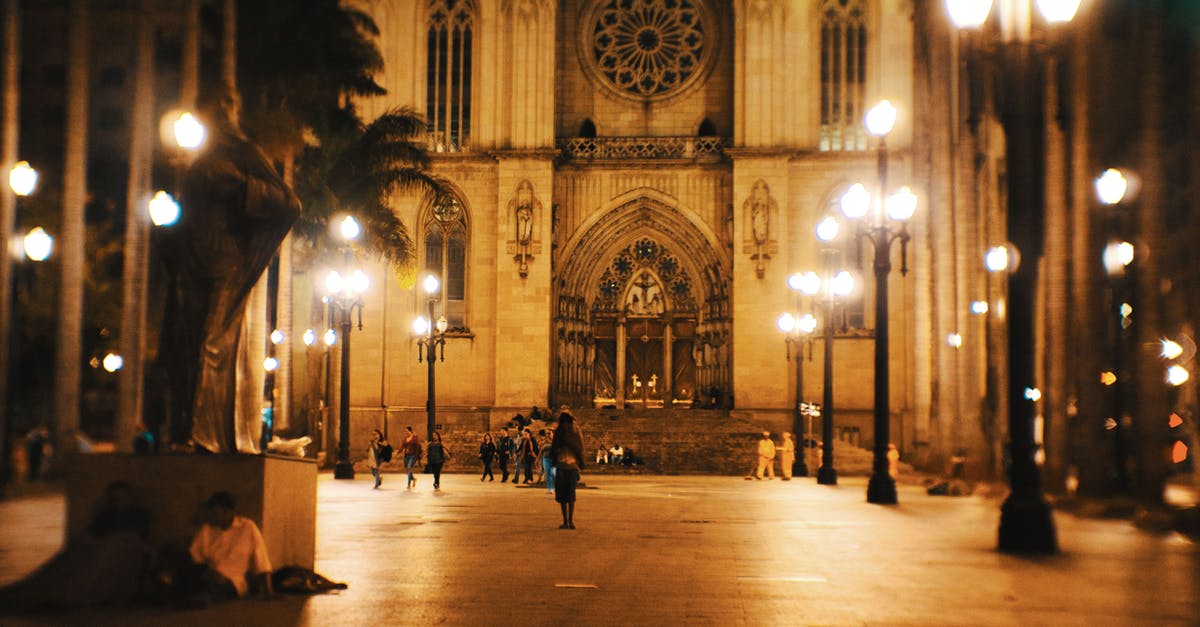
x=445, y=238
x=843, y=74
x=448, y=72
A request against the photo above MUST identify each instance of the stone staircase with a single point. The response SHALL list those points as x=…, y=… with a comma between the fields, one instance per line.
x=670, y=441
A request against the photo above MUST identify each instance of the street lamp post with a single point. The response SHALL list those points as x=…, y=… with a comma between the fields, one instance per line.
x=797, y=329
x=1026, y=523
x=345, y=294
x=832, y=286
x=1118, y=254
x=883, y=211
x=431, y=336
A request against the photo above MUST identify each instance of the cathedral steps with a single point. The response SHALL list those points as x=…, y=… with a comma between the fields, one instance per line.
x=669, y=441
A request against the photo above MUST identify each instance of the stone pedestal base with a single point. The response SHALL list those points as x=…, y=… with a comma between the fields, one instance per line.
x=278, y=493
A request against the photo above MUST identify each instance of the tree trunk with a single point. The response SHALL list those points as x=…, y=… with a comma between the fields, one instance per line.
x=135, y=274
x=69, y=349
x=1150, y=421
x=1054, y=345
x=8, y=208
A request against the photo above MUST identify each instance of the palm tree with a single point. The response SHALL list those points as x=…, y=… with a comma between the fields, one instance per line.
x=68, y=356
x=8, y=209
x=298, y=93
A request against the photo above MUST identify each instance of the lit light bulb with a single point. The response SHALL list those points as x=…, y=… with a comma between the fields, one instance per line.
x=786, y=323
x=330, y=337
x=1171, y=349
x=189, y=132
x=112, y=362
x=38, y=244
x=350, y=228
x=1177, y=375
x=164, y=209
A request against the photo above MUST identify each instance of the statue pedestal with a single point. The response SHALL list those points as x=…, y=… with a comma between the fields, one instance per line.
x=278, y=493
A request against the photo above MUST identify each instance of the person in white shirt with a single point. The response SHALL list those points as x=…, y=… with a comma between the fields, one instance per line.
x=230, y=547
x=616, y=454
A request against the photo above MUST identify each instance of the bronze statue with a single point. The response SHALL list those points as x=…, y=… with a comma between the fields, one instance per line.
x=236, y=210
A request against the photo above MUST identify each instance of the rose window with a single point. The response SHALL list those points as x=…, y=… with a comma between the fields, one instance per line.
x=648, y=48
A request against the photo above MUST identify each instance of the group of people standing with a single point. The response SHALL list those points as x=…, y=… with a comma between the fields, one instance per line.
x=531, y=454
x=767, y=451
x=555, y=454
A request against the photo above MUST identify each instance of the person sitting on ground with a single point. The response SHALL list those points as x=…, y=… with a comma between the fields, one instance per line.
x=601, y=455
x=226, y=548
x=616, y=454
x=108, y=565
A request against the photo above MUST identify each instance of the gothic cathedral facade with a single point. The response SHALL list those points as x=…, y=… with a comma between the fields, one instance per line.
x=635, y=181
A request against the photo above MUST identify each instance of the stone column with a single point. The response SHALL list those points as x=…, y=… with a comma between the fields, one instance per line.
x=620, y=363
x=667, y=378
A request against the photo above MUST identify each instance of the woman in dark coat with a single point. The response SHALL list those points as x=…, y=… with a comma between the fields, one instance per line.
x=487, y=452
x=567, y=453
x=437, y=454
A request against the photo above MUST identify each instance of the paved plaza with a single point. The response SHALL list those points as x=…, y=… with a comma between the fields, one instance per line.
x=679, y=550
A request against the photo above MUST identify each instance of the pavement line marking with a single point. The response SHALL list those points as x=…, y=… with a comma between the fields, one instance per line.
x=588, y=586
x=808, y=579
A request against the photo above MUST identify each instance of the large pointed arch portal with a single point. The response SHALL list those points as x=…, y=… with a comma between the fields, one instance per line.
x=642, y=315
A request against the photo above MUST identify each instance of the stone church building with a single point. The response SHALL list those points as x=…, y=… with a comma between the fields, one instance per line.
x=635, y=181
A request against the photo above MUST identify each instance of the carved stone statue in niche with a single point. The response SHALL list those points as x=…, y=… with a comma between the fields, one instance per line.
x=758, y=208
x=523, y=246
x=760, y=205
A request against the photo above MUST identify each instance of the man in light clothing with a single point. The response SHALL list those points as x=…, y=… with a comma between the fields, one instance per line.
x=766, y=457
x=230, y=547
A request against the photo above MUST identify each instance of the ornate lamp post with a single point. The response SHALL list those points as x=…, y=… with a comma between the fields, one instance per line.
x=885, y=224
x=1026, y=524
x=431, y=336
x=345, y=294
x=1118, y=254
x=797, y=329
x=833, y=286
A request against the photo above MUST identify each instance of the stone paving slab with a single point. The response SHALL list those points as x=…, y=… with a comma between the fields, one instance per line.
x=655, y=550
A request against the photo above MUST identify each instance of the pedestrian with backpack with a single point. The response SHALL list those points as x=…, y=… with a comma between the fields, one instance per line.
x=378, y=453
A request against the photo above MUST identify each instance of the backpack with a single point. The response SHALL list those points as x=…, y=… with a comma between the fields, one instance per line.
x=384, y=454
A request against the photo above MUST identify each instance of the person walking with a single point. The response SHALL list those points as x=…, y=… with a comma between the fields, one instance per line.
x=412, y=454
x=547, y=462
x=504, y=450
x=437, y=457
x=378, y=452
x=526, y=454
x=787, y=456
x=766, y=457
x=567, y=452
x=487, y=452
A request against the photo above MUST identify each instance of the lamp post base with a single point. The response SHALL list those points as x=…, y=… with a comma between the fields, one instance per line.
x=799, y=468
x=827, y=475
x=1026, y=526
x=343, y=470
x=881, y=489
